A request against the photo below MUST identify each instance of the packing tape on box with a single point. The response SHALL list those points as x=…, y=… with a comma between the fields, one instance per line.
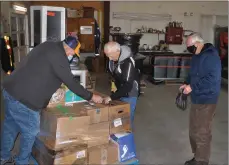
x=64, y=139
x=97, y=116
x=103, y=156
x=58, y=134
x=68, y=141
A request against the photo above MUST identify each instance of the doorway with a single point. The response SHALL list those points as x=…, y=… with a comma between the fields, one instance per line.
x=207, y=31
x=19, y=35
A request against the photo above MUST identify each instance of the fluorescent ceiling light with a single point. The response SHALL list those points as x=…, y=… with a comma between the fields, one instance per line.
x=19, y=8
x=140, y=16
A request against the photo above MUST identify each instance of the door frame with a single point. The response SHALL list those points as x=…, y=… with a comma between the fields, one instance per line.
x=26, y=29
x=106, y=28
x=212, y=25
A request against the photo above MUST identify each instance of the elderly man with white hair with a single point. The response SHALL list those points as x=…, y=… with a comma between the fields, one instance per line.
x=203, y=84
x=126, y=76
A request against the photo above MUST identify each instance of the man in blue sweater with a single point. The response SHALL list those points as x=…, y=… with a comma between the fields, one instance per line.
x=203, y=84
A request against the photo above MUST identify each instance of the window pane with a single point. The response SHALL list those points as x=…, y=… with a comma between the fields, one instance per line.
x=13, y=24
x=37, y=29
x=21, y=24
x=22, y=39
x=14, y=40
x=54, y=26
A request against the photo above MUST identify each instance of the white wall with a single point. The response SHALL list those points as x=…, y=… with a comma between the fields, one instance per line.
x=176, y=9
x=5, y=12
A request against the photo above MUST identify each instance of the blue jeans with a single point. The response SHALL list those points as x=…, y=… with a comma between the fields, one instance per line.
x=18, y=119
x=132, y=101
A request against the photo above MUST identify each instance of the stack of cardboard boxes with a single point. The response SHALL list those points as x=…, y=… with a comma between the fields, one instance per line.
x=85, y=133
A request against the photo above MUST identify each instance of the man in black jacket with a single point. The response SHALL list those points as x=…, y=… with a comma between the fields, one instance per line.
x=126, y=76
x=28, y=90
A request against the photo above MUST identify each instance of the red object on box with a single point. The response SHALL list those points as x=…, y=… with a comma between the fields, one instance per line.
x=174, y=35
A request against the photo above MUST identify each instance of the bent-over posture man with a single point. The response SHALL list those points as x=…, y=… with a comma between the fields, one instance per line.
x=29, y=89
x=203, y=83
x=124, y=73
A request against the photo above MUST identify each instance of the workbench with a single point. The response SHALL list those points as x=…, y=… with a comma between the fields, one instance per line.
x=166, y=65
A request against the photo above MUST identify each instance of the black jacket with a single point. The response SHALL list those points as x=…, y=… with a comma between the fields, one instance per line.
x=205, y=76
x=125, y=75
x=40, y=74
x=97, y=38
x=6, y=60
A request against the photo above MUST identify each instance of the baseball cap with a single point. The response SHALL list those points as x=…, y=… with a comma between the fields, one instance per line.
x=73, y=43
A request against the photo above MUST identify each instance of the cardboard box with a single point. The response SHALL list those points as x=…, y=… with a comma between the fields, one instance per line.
x=90, y=79
x=98, y=112
x=91, y=86
x=63, y=96
x=72, y=155
x=63, y=126
x=120, y=125
x=118, y=109
x=125, y=144
x=104, y=154
x=98, y=134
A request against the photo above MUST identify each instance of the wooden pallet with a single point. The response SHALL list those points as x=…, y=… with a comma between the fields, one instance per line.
x=133, y=161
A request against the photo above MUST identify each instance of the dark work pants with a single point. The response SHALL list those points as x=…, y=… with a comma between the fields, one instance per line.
x=200, y=130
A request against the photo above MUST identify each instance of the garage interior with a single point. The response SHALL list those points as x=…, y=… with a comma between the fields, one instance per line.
x=156, y=33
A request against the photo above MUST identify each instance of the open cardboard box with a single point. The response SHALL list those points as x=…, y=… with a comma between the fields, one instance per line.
x=75, y=154
x=63, y=127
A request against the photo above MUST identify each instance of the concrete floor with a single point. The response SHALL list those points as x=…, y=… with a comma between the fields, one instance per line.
x=161, y=130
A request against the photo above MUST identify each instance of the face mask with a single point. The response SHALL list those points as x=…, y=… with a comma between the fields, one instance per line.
x=70, y=58
x=192, y=49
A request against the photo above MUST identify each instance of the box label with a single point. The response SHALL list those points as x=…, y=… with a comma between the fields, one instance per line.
x=117, y=122
x=81, y=154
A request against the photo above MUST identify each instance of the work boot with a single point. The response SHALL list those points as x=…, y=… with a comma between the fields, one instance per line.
x=194, y=162
x=189, y=162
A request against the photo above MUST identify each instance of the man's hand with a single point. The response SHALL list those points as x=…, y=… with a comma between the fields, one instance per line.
x=107, y=100
x=187, y=89
x=97, y=99
x=182, y=87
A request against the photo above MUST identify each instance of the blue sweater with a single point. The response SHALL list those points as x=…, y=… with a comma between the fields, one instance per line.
x=205, y=76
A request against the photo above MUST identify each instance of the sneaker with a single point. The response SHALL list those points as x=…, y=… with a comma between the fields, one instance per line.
x=189, y=162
